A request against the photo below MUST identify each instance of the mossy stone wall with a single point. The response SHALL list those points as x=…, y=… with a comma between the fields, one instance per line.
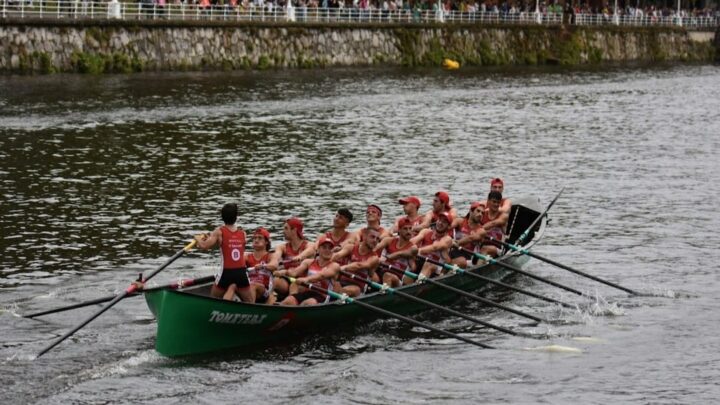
x=122, y=47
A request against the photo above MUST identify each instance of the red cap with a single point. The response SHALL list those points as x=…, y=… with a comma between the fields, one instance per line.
x=496, y=180
x=403, y=222
x=375, y=207
x=448, y=217
x=324, y=239
x=262, y=231
x=476, y=204
x=296, y=224
x=412, y=199
x=443, y=197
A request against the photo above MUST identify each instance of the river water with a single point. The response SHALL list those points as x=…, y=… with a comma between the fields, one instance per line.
x=105, y=177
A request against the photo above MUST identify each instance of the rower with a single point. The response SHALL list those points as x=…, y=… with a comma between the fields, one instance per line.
x=231, y=240
x=295, y=243
x=498, y=185
x=469, y=234
x=435, y=244
x=398, y=252
x=494, y=222
x=339, y=235
x=261, y=279
x=373, y=214
x=411, y=205
x=319, y=272
x=441, y=203
x=359, y=258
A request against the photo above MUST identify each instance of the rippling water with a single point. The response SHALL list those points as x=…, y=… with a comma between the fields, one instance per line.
x=105, y=177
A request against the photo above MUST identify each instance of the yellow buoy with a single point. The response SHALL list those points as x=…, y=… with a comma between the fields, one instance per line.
x=450, y=64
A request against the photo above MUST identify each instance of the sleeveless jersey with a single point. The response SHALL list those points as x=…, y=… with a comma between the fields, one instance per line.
x=291, y=253
x=402, y=262
x=337, y=242
x=463, y=231
x=314, y=269
x=432, y=237
x=232, y=248
x=356, y=257
x=494, y=232
x=259, y=275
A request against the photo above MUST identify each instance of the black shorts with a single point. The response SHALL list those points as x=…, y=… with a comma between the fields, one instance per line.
x=302, y=296
x=455, y=253
x=239, y=277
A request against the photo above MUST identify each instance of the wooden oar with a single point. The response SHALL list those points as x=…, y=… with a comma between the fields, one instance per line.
x=523, y=272
x=386, y=288
x=457, y=269
x=564, y=267
x=538, y=219
x=373, y=308
x=485, y=301
x=119, y=297
x=187, y=282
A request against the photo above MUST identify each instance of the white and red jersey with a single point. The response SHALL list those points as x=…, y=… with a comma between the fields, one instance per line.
x=401, y=262
x=232, y=248
x=314, y=269
x=432, y=237
x=464, y=230
x=356, y=257
x=257, y=273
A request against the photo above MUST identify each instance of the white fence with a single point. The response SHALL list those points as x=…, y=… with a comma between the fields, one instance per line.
x=160, y=10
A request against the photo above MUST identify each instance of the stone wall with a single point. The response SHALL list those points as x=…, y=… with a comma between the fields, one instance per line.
x=119, y=46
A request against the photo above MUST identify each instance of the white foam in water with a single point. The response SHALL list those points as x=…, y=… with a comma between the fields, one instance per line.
x=555, y=349
x=123, y=366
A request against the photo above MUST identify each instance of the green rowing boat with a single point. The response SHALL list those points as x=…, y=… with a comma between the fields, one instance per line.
x=190, y=322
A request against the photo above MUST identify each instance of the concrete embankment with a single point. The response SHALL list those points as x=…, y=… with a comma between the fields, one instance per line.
x=126, y=46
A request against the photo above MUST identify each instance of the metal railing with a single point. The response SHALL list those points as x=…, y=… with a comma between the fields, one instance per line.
x=160, y=10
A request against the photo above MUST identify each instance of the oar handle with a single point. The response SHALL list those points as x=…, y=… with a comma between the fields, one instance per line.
x=370, y=307
x=384, y=287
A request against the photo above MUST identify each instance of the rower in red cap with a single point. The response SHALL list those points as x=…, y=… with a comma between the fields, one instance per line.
x=361, y=259
x=411, y=205
x=494, y=221
x=435, y=244
x=441, y=204
x=469, y=234
x=498, y=185
x=295, y=243
x=319, y=272
x=398, y=252
x=261, y=279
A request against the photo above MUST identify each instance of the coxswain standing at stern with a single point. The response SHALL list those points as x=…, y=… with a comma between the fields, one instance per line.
x=320, y=272
x=231, y=240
